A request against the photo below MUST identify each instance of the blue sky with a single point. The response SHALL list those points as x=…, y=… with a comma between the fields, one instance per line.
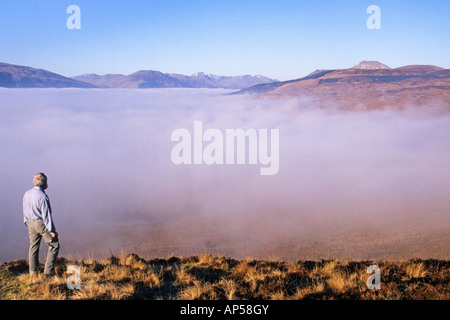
x=281, y=39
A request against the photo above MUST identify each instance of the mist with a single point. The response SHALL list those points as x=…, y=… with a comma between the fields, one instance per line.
x=359, y=184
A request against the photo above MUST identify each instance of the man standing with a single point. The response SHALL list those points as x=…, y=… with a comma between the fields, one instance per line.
x=37, y=216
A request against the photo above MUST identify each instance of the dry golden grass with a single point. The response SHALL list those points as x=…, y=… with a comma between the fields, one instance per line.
x=208, y=277
x=314, y=289
x=415, y=270
x=229, y=287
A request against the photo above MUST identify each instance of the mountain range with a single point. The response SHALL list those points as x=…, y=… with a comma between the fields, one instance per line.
x=14, y=76
x=156, y=79
x=369, y=85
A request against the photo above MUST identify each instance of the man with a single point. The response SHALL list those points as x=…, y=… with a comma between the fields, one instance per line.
x=37, y=216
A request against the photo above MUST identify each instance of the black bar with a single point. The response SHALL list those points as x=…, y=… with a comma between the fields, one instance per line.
x=260, y=309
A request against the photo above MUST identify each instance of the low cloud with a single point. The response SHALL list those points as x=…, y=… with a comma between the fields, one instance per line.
x=113, y=185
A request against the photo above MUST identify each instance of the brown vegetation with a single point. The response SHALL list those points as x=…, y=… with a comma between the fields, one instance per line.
x=209, y=277
x=422, y=87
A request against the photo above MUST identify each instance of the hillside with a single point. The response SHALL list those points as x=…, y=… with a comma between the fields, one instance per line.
x=14, y=76
x=368, y=85
x=220, y=278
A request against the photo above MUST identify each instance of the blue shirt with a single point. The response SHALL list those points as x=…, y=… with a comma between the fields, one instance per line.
x=36, y=205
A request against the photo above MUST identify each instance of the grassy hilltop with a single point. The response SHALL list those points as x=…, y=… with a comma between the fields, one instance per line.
x=208, y=277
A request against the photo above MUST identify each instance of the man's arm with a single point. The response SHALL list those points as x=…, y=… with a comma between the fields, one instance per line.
x=46, y=212
x=23, y=210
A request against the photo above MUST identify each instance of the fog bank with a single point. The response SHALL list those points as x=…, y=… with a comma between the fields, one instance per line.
x=350, y=184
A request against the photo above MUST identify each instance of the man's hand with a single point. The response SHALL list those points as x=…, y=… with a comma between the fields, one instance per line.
x=54, y=235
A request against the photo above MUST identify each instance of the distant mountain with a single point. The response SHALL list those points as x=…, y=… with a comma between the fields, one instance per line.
x=371, y=65
x=419, y=68
x=105, y=81
x=14, y=76
x=318, y=71
x=150, y=79
x=140, y=79
x=156, y=79
x=369, y=85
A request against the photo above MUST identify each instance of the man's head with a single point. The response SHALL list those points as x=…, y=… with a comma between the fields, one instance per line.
x=40, y=180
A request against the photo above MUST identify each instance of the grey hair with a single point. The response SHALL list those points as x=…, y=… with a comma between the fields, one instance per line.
x=40, y=180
